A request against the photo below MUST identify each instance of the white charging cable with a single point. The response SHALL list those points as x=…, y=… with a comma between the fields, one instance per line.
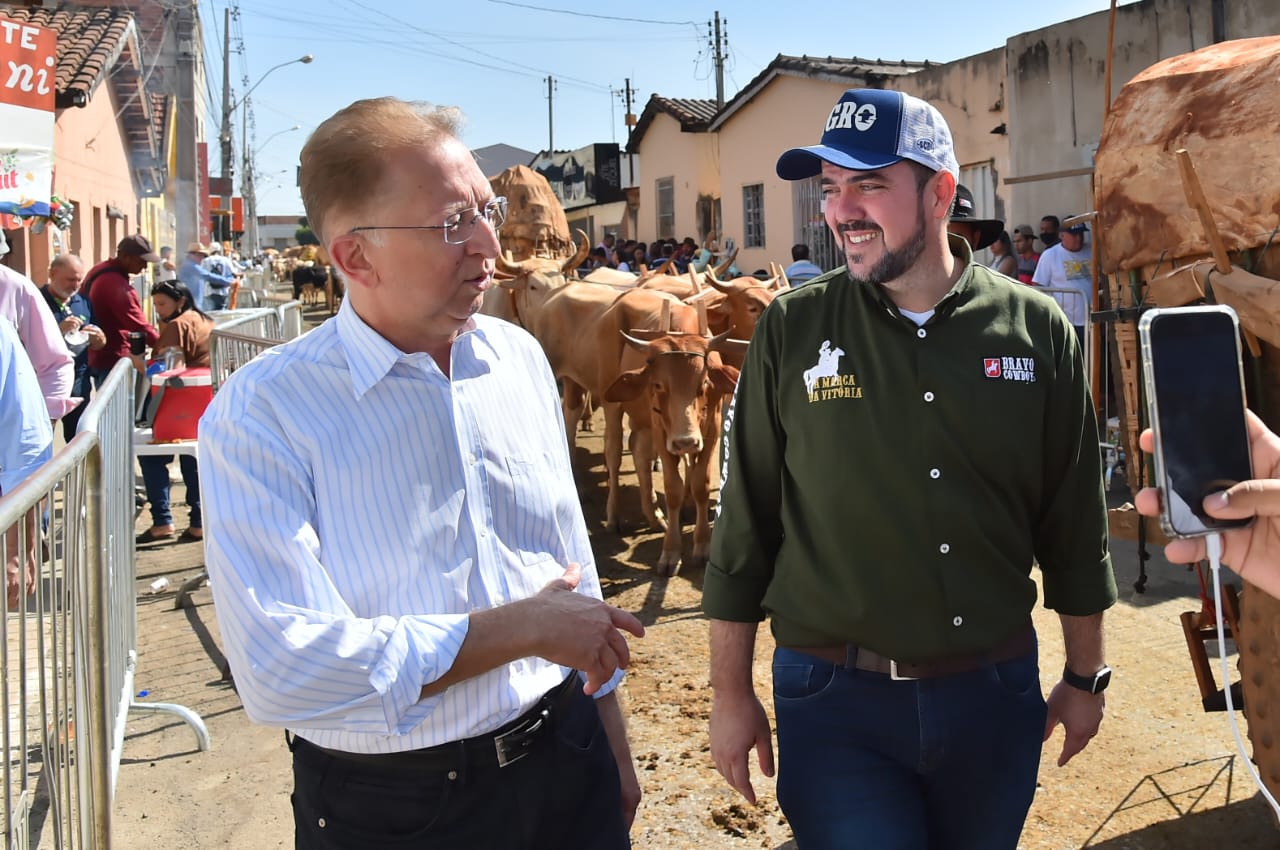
x=1214, y=544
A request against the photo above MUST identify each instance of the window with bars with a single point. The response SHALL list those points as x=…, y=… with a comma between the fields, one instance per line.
x=665, y=190
x=753, y=216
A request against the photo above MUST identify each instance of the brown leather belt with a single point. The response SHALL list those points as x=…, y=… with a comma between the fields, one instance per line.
x=853, y=657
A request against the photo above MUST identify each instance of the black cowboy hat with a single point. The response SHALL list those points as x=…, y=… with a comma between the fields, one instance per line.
x=964, y=210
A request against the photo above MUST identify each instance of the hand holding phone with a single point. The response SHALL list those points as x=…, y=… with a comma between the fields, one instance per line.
x=1194, y=379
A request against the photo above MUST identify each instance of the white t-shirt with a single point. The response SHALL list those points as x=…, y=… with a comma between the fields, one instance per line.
x=1062, y=269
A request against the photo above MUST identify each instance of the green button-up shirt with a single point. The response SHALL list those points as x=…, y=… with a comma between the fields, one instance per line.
x=891, y=486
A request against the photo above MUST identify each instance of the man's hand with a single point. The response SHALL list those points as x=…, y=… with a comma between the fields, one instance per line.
x=97, y=339
x=69, y=324
x=739, y=723
x=1253, y=552
x=1080, y=714
x=20, y=567
x=582, y=632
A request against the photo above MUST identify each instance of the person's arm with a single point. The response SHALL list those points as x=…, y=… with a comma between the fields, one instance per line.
x=569, y=628
x=123, y=301
x=216, y=277
x=1253, y=551
x=1079, y=712
x=1008, y=266
x=1071, y=543
x=54, y=364
x=738, y=720
x=26, y=443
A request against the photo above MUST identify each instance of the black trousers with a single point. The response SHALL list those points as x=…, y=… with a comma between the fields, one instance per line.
x=564, y=794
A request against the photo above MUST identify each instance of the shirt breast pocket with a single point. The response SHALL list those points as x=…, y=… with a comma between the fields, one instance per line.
x=528, y=522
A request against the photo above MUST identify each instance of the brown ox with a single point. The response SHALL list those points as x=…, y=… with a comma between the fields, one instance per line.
x=535, y=277
x=681, y=379
x=733, y=305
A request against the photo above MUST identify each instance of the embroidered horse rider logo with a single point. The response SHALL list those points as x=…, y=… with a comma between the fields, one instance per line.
x=828, y=366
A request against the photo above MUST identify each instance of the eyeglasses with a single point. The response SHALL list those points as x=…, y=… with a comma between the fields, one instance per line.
x=459, y=226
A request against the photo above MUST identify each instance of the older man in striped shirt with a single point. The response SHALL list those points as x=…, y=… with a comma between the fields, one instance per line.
x=400, y=564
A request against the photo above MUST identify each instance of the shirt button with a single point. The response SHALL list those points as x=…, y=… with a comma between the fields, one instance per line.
x=958, y=621
x=934, y=473
x=928, y=396
x=321, y=823
x=944, y=548
x=484, y=532
x=921, y=332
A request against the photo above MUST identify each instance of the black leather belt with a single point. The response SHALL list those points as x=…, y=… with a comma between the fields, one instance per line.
x=853, y=657
x=505, y=745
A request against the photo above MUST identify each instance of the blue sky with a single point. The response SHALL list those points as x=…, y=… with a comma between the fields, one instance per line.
x=491, y=58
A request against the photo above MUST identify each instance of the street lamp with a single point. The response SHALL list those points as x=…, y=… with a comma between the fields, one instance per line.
x=228, y=108
x=273, y=135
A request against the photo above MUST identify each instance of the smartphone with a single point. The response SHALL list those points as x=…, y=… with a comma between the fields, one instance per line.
x=1193, y=369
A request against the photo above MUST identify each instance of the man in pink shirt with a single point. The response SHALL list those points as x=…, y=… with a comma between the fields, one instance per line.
x=23, y=306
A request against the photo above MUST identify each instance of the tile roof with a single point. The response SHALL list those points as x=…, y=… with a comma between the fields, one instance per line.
x=96, y=45
x=853, y=70
x=90, y=41
x=693, y=114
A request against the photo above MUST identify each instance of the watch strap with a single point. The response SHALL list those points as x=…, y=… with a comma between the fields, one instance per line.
x=1095, y=684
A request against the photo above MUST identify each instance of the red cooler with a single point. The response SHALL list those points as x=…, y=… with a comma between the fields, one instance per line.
x=182, y=396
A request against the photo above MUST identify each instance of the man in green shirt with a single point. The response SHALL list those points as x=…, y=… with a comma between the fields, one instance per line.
x=910, y=433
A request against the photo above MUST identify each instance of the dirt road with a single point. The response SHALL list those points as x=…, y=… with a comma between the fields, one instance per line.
x=1162, y=774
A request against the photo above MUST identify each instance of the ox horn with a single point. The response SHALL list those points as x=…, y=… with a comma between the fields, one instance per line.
x=780, y=276
x=579, y=256
x=703, y=327
x=724, y=267
x=722, y=342
x=665, y=268
x=638, y=343
x=709, y=277
x=693, y=278
x=504, y=263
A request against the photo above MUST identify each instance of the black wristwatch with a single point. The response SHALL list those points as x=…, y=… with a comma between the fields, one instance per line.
x=1095, y=684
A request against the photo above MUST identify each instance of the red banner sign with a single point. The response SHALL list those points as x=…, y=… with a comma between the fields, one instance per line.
x=28, y=65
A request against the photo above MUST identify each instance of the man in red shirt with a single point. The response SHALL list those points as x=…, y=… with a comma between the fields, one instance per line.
x=116, y=307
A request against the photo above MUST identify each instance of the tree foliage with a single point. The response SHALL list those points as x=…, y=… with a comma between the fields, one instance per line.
x=304, y=235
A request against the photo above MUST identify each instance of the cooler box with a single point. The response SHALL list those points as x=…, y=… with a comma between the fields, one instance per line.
x=179, y=397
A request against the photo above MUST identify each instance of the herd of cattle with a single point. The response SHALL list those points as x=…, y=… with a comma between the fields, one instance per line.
x=661, y=350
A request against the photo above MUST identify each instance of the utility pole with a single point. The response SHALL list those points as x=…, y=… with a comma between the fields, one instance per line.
x=187, y=187
x=225, y=135
x=718, y=52
x=630, y=118
x=551, y=136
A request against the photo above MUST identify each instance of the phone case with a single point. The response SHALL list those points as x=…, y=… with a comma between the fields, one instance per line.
x=1149, y=318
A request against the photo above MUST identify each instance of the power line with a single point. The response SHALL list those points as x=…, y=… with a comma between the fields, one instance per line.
x=589, y=15
x=541, y=71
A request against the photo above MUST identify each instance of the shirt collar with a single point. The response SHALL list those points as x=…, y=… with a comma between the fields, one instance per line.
x=370, y=357
x=960, y=249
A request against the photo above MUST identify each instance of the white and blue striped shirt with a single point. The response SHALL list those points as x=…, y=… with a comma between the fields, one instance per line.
x=358, y=504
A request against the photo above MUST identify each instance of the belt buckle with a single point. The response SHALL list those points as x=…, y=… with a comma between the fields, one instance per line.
x=514, y=745
x=894, y=675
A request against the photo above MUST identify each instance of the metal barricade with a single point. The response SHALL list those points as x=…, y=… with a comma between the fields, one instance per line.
x=236, y=340
x=1077, y=300
x=67, y=671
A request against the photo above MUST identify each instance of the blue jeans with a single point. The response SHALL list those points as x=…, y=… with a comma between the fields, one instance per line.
x=155, y=475
x=948, y=763
x=216, y=299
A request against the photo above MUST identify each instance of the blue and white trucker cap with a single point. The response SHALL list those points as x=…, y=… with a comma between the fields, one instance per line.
x=874, y=128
